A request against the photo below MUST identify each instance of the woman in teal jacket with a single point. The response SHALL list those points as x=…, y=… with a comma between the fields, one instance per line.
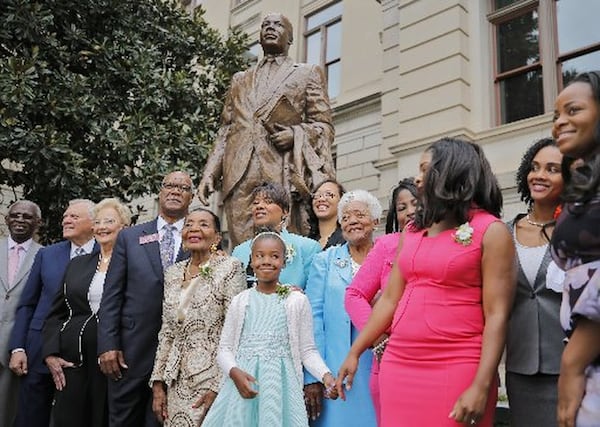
x=331, y=273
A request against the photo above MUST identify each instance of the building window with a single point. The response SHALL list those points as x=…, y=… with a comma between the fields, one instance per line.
x=540, y=46
x=253, y=53
x=323, y=41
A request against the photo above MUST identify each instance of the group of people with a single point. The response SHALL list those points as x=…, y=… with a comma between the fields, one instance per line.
x=155, y=323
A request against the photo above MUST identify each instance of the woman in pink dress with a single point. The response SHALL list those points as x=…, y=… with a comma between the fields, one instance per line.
x=373, y=274
x=448, y=298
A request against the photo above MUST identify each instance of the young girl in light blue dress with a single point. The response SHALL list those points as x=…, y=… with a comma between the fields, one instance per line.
x=266, y=340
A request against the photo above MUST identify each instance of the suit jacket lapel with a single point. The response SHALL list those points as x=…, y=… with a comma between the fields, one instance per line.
x=540, y=278
x=273, y=93
x=152, y=249
x=343, y=264
x=4, y=263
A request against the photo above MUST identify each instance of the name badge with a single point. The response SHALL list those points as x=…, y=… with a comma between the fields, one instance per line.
x=149, y=238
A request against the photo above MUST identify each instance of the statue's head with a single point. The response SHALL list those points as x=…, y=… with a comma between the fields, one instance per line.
x=276, y=34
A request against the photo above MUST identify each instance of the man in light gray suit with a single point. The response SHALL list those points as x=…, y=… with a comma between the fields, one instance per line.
x=16, y=258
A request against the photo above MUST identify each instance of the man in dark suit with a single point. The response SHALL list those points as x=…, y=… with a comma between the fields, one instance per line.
x=17, y=252
x=45, y=278
x=130, y=311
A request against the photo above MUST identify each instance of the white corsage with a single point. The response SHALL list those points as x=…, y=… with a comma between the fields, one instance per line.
x=290, y=253
x=464, y=234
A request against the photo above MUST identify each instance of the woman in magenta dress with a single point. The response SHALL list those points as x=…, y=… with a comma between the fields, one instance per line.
x=447, y=300
x=368, y=283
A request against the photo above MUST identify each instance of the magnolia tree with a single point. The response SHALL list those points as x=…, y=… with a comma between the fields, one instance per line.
x=102, y=98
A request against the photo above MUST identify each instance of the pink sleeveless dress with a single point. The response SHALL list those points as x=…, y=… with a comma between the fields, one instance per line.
x=436, y=337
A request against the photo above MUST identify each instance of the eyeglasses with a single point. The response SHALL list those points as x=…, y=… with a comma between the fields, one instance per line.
x=106, y=221
x=181, y=187
x=327, y=195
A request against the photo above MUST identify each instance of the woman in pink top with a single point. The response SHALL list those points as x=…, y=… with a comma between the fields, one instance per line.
x=373, y=274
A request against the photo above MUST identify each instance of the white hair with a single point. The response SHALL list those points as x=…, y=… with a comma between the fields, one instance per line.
x=363, y=196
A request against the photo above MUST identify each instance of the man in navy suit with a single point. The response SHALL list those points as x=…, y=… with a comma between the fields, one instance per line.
x=130, y=311
x=45, y=278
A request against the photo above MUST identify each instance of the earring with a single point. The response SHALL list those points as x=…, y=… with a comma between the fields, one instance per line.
x=213, y=248
x=184, y=247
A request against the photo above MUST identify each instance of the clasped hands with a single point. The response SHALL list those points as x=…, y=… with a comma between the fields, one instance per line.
x=314, y=393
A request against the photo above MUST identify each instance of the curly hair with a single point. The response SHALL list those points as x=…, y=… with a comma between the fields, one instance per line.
x=459, y=176
x=360, y=196
x=525, y=167
x=583, y=182
x=391, y=220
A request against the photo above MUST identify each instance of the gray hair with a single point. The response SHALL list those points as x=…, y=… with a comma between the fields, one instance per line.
x=36, y=209
x=363, y=196
x=88, y=202
x=114, y=203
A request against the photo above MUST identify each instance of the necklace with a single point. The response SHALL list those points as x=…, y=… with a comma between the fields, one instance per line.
x=537, y=224
x=103, y=261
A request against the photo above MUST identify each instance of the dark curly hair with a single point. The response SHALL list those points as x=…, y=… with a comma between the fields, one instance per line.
x=525, y=167
x=582, y=183
x=391, y=220
x=459, y=176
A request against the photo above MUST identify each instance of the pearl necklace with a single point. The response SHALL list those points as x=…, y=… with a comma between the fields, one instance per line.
x=537, y=224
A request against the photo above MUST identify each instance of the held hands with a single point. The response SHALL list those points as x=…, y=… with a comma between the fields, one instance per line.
x=244, y=383
x=313, y=396
x=330, y=390
x=205, y=189
x=314, y=393
x=18, y=363
x=159, y=401
x=282, y=137
x=470, y=406
x=111, y=362
x=346, y=375
x=55, y=365
x=205, y=402
x=571, y=387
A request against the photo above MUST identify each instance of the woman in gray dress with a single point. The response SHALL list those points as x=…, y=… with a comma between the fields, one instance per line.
x=534, y=340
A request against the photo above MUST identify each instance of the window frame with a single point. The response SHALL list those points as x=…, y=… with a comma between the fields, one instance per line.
x=323, y=30
x=550, y=59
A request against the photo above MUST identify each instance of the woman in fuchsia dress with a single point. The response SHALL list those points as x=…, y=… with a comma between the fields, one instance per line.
x=447, y=300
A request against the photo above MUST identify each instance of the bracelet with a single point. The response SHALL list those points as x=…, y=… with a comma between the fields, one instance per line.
x=380, y=348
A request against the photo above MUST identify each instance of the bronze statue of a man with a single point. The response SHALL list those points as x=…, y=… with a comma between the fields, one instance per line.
x=277, y=127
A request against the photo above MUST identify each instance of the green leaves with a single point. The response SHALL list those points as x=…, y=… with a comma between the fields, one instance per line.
x=103, y=98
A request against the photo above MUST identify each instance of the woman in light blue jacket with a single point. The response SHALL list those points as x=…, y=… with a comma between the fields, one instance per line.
x=331, y=273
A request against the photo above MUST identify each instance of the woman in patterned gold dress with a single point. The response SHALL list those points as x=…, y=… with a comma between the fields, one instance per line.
x=185, y=379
